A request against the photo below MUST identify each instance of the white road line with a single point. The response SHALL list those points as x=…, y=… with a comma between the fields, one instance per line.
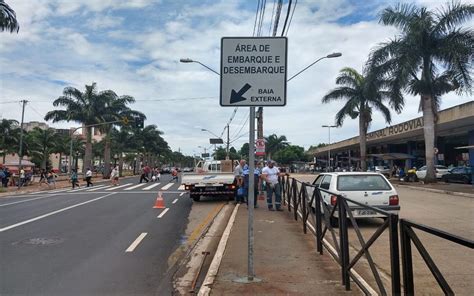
x=182, y=193
x=85, y=188
x=136, y=242
x=136, y=186
x=151, y=186
x=61, y=190
x=53, y=213
x=117, y=187
x=21, y=201
x=31, y=193
x=181, y=187
x=95, y=189
x=163, y=213
x=167, y=186
x=174, y=201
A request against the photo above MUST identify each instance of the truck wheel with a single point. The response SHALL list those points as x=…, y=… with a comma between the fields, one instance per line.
x=196, y=197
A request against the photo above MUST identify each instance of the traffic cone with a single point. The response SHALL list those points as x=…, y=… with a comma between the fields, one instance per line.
x=159, y=203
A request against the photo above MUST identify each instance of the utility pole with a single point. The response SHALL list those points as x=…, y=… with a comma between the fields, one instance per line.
x=20, y=153
x=228, y=143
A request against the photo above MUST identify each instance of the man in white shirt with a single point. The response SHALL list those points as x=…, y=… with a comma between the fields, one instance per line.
x=89, y=177
x=270, y=174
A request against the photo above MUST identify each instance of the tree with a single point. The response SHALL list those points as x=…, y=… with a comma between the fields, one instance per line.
x=244, y=151
x=273, y=143
x=42, y=143
x=62, y=147
x=430, y=57
x=8, y=21
x=86, y=108
x=289, y=154
x=10, y=131
x=362, y=94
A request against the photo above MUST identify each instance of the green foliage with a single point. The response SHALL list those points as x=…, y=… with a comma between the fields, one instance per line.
x=289, y=154
x=221, y=153
x=274, y=143
x=9, y=136
x=244, y=151
x=42, y=143
x=8, y=21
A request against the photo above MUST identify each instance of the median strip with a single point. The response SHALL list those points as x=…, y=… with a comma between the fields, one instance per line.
x=136, y=242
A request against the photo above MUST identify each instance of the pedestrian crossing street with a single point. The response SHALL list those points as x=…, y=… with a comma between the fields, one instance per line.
x=126, y=187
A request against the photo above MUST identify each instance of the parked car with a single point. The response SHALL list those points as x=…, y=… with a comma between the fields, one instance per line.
x=368, y=188
x=440, y=171
x=459, y=175
x=187, y=170
x=165, y=170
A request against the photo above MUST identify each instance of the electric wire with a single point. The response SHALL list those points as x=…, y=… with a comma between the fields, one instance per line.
x=291, y=18
x=271, y=20
x=287, y=16
x=256, y=16
x=262, y=17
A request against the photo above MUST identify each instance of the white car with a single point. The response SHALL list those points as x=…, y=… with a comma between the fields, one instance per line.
x=368, y=188
x=440, y=171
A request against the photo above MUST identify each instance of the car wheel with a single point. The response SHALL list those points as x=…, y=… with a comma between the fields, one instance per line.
x=467, y=181
x=446, y=180
x=197, y=198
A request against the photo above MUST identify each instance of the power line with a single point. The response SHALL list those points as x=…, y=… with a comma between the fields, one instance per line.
x=277, y=17
x=256, y=14
x=34, y=110
x=291, y=18
x=271, y=20
x=262, y=16
x=287, y=16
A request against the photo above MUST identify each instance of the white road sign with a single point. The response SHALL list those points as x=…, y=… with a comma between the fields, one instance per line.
x=253, y=71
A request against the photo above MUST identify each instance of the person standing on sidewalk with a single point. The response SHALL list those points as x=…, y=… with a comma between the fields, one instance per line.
x=238, y=181
x=74, y=179
x=270, y=174
x=89, y=177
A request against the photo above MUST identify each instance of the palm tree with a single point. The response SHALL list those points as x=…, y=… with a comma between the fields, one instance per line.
x=273, y=143
x=42, y=143
x=116, y=110
x=8, y=18
x=430, y=57
x=62, y=147
x=9, y=129
x=86, y=108
x=362, y=94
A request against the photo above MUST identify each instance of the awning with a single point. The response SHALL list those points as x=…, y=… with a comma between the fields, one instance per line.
x=392, y=156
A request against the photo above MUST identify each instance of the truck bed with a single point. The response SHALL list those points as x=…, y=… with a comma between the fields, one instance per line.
x=207, y=178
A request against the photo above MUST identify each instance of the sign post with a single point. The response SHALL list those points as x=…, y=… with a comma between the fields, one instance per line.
x=253, y=74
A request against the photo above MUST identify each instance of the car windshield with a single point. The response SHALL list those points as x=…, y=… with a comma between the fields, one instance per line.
x=362, y=183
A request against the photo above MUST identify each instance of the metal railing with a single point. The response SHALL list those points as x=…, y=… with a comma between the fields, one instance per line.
x=304, y=204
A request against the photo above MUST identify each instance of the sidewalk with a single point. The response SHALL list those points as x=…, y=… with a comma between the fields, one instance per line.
x=439, y=187
x=285, y=259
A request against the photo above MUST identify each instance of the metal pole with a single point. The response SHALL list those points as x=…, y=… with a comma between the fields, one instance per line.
x=251, y=195
x=329, y=149
x=227, y=150
x=20, y=153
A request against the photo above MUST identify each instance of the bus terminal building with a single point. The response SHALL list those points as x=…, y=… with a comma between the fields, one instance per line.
x=403, y=144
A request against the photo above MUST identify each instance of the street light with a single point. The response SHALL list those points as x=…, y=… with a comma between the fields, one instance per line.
x=329, y=56
x=329, y=145
x=187, y=60
x=206, y=130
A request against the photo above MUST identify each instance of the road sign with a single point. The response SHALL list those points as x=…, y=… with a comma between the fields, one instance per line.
x=216, y=141
x=260, y=147
x=253, y=71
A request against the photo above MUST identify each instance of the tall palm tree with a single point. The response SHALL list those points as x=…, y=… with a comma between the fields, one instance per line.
x=8, y=20
x=9, y=129
x=116, y=109
x=362, y=94
x=86, y=108
x=42, y=143
x=430, y=57
x=273, y=143
x=62, y=147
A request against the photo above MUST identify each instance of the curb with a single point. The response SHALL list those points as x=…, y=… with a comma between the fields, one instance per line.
x=216, y=261
x=437, y=190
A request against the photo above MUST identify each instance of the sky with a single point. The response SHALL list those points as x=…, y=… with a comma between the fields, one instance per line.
x=133, y=47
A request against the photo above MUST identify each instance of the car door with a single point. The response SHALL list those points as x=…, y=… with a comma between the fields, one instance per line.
x=421, y=172
x=326, y=184
x=316, y=184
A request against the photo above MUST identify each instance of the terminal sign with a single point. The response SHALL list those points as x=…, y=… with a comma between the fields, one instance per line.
x=253, y=71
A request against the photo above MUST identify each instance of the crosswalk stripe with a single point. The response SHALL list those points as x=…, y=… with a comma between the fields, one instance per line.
x=117, y=187
x=62, y=190
x=95, y=189
x=85, y=188
x=167, y=186
x=151, y=186
x=136, y=186
x=181, y=187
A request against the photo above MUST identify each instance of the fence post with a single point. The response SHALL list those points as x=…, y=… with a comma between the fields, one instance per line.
x=407, y=263
x=304, y=203
x=344, y=242
x=319, y=231
x=394, y=254
x=295, y=197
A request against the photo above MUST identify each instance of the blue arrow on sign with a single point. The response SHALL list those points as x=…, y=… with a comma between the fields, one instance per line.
x=236, y=97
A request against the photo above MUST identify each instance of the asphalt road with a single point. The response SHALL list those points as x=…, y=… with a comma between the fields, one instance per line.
x=98, y=241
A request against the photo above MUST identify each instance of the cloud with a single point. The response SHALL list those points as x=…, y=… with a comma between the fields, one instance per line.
x=134, y=47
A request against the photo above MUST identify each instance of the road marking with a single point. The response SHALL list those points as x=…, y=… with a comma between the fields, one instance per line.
x=174, y=201
x=136, y=242
x=95, y=189
x=182, y=193
x=117, y=187
x=167, y=186
x=181, y=187
x=53, y=213
x=162, y=213
x=85, y=188
x=31, y=193
x=136, y=186
x=21, y=201
x=61, y=190
x=151, y=186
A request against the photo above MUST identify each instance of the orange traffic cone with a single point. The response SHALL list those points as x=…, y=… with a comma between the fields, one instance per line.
x=159, y=203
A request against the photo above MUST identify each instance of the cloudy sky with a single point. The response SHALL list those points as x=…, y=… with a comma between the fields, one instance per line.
x=133, y=47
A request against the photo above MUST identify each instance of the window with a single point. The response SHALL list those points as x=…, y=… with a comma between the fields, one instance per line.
x=362, y=183
x=326, y=182
x=318, y=180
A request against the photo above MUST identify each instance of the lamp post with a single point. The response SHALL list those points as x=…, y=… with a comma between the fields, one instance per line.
x=187, y=60
x=329, y=145
x=329, y=56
